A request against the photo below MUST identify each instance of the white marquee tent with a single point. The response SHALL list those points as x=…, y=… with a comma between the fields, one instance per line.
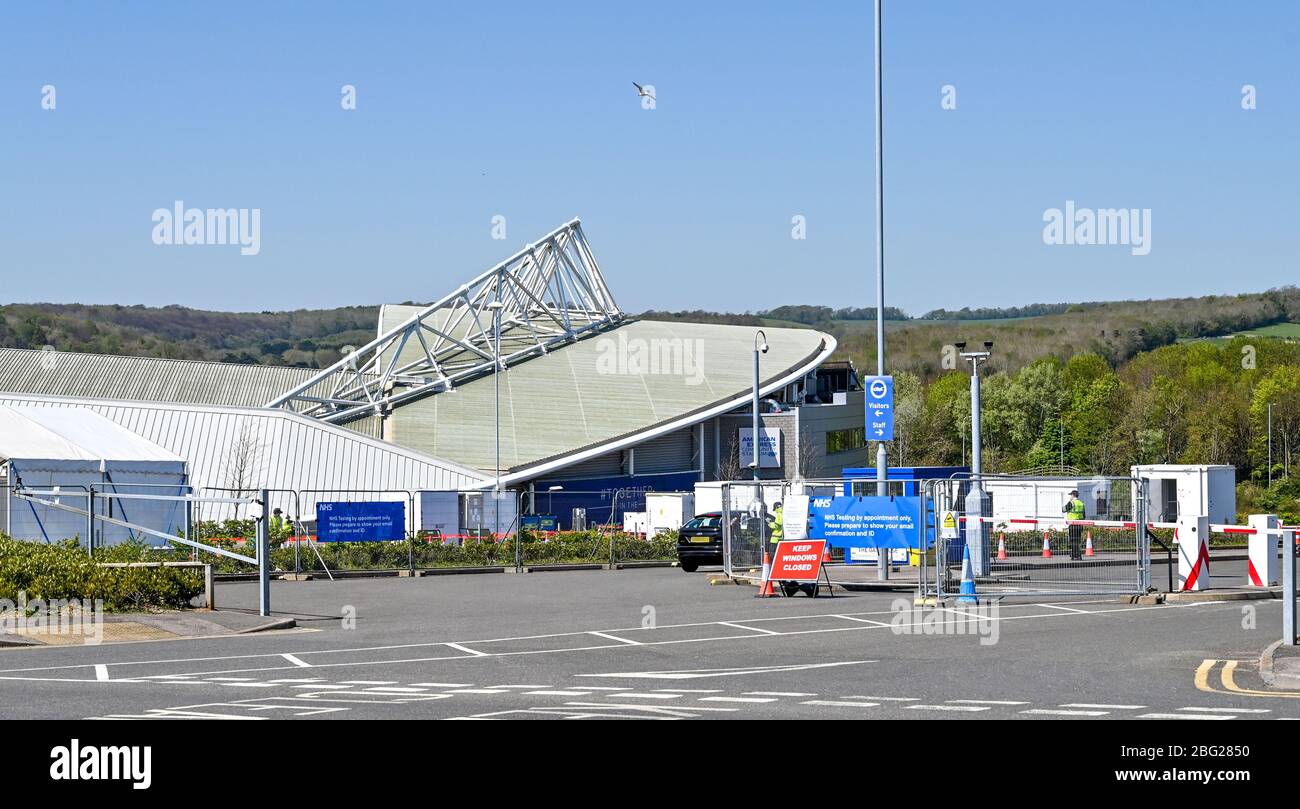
x=73, y=449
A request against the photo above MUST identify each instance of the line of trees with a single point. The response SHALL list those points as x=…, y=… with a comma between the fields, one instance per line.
x=1195, y=402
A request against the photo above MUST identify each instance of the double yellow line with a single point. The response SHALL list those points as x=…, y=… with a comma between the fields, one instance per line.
x=1227, y=678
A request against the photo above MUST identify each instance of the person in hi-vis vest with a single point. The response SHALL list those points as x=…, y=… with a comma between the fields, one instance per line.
x=778, y=526
x=1074, y=510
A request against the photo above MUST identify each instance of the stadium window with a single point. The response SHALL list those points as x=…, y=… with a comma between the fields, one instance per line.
x=845, y=440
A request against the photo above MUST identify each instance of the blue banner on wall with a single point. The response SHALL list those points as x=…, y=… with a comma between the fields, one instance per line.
x=865, y=522
x=360, y=522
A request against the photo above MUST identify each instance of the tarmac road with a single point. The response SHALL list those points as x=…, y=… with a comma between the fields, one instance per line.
x=662, y=644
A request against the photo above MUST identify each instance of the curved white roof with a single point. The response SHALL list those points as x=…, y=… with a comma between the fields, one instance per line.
x=74, y=434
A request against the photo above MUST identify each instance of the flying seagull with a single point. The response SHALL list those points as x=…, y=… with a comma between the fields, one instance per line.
x=641, y=91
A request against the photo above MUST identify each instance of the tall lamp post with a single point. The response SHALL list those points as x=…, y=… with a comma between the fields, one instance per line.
x=496, y=307
x=882, y=460
x=760, y=347
x=978, y=503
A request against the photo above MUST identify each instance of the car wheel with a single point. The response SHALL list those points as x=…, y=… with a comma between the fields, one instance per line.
x=690, y=567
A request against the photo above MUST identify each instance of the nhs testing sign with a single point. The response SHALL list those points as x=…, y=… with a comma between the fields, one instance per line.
x=360, y=522
x=865, y=522
x=880, y=408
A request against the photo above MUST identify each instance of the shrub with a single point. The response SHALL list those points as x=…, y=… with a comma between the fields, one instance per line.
x=64, y=570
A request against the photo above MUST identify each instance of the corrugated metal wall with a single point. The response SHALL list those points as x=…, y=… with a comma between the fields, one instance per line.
x=674, y=452
x=284, y=450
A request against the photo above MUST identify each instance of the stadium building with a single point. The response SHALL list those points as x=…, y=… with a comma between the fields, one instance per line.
x=594, y=407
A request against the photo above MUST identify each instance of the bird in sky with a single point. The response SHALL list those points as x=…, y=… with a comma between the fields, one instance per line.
x=641, y=91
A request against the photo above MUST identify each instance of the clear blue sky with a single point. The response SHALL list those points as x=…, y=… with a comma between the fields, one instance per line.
x=764, y=111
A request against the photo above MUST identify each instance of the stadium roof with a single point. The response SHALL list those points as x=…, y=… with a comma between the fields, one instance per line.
x=144, y=379
x=589, y=397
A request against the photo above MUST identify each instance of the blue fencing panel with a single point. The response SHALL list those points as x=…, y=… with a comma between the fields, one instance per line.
x=866, y=522
x=360, y=522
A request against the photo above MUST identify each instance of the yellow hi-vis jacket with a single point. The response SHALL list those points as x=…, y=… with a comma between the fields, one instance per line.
x=1074, y=510
x=778, y=526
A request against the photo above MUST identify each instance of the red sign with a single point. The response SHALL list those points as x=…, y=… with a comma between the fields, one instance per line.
x=798, y=560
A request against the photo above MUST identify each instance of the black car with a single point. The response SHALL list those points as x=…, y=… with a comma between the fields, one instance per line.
x=699, y=542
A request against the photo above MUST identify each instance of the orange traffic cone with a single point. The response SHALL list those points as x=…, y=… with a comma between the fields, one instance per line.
x=765, y=589
x=1087, y=548
x=1002, y=545
x=1047, y=546
x=826, y=554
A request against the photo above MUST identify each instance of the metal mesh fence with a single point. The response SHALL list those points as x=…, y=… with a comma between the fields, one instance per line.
x=1040, y=536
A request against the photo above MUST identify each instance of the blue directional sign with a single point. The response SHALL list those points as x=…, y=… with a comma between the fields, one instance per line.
x=880, y=408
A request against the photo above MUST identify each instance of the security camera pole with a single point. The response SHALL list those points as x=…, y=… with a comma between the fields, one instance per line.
x=760, y=347
x=978, y=503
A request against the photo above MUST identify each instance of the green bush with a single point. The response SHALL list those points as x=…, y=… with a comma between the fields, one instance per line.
x=64, y=570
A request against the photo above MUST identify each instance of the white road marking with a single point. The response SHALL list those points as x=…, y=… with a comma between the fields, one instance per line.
x=480, y=691
x=466, y=650
x=101, y=672
x=608, y=636
x=250, y=685
x=695, y=674
x=299, y=662
x=323, y=686
x=690, y=690
x=607, y=687
x=534, y=685
x=840, y=703
x=660, y=709
x=988, y=702
x=861, y=620
x=750, y=628
x=738, y=699
x=558, y=693
x=1184, y=716
x=1062, y=712
x=1229, y=710
x=1103, y=705
x=298, y=680
x=228, y=679
x=393, y=689
x=368, y=682
x=445, y=685
x=780, y=694
x=642, y=695
x=966, y=708
x=1067, y=609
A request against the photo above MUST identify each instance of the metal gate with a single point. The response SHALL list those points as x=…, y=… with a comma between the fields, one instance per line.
x=1020, y=540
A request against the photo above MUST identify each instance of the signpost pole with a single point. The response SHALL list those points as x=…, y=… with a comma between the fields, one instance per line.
x=264, y=557
x=882, y=460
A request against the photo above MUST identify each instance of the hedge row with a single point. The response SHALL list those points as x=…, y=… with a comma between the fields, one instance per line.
x=64, y=570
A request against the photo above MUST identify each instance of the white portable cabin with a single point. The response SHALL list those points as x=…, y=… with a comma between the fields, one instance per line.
x=1189, y=489
x=708, y=495
x=668, y=511
x=72, y=450
x=1045, y=498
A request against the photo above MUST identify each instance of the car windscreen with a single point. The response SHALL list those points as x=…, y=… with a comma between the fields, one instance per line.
x=704, y=522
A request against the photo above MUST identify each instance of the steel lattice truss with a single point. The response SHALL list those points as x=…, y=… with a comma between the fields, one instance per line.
x=550, y=294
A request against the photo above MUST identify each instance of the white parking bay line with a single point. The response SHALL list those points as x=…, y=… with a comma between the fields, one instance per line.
x=479, y=691
x=1062, y=712
x=738, y=699
x=640, y=695
x=466, y=650
x=988, y=702
x=861, y=620
x=883, y=699
x=691, y=690
x=1059, y=607
x=779, y=694
x=1103, y=705
x=1229, y=710
x=324, y=687
x=549, y=692
x=368, y=682
x=296, y=661
x=840, y=703
x=445, y=685
x=608, y=636
x=393, y=689
x=750, y=628
x=1185, y=716
x=101, y=672
x=965, y=708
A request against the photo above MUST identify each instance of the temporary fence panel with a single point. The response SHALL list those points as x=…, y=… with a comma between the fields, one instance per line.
x=1023, y=548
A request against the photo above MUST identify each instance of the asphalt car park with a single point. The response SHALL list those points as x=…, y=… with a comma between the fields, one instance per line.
x=655, y=643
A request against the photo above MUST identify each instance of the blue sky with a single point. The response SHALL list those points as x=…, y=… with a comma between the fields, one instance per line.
x=526, y=110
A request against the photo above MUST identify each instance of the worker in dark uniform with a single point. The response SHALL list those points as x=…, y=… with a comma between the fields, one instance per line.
x=1074, y=510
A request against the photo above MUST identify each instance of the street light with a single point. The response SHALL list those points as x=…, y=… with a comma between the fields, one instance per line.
x=977, y=501
x=496, y=307
x=760, y=347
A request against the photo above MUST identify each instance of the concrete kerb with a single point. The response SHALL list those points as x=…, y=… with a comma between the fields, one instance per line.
x=1279, y=665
